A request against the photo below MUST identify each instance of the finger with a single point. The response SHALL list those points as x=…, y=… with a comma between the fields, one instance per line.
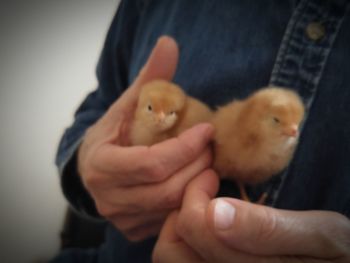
x=170, y=248
x=168, y=233
x=266, y=231
x=161, y=64
x=140, y=164
x=201, y=190
x=192, y=214
x=177, y=152
x=162, y=196
x=151, y=198
x=192, y=225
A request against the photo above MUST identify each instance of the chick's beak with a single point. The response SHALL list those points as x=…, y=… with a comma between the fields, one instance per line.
x=291, y=131
x=161, y=116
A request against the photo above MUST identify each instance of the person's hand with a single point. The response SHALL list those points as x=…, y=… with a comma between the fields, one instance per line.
x=136, y=187
x=231, y=230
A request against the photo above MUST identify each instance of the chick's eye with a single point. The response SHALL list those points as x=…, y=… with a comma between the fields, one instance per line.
x=276, y=120
x=149, y=107
x=172, y=113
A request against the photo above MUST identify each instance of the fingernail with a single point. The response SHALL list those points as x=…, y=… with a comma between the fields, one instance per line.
x=224, y=214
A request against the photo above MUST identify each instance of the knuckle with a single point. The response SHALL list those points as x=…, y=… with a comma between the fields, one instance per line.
x=189, y=150
x=91, y=180
x=267, y=225
x=121, y=225
x=91, y=176
x=172, y=199
x=156, y=170
x=104, y=210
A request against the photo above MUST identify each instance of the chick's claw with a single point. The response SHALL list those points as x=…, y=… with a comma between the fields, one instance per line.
x=245, y=197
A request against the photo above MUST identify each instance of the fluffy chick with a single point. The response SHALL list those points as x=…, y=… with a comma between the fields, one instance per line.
x=164, y=111
x=256, y=137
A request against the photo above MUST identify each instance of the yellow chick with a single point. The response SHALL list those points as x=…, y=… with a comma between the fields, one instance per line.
x=164, y=111
x=256, y=137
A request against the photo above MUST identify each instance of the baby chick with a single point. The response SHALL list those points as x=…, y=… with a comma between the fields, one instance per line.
x=164, y=111
x=256, y=137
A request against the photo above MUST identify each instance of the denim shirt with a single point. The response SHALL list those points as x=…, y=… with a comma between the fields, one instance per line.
x=228, y=49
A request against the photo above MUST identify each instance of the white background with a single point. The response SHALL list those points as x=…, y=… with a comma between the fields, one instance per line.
x=48, y=53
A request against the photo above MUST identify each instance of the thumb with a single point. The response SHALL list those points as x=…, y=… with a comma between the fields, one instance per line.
x=263, y=230
x=161, y=64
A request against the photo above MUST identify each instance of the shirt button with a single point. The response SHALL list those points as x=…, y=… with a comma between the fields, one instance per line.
x=315, y=31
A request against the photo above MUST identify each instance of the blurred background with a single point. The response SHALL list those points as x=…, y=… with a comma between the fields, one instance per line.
x=48, y=53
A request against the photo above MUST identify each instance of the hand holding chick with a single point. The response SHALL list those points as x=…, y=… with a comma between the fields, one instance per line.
x=256, y=137
x=164, y=111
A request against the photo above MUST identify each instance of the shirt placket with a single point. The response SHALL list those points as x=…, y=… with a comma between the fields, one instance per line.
x=303, y=54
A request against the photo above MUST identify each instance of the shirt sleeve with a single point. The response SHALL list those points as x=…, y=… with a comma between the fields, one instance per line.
x=112, y=76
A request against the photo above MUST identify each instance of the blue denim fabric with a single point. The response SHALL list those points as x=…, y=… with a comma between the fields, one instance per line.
x=227, y=50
